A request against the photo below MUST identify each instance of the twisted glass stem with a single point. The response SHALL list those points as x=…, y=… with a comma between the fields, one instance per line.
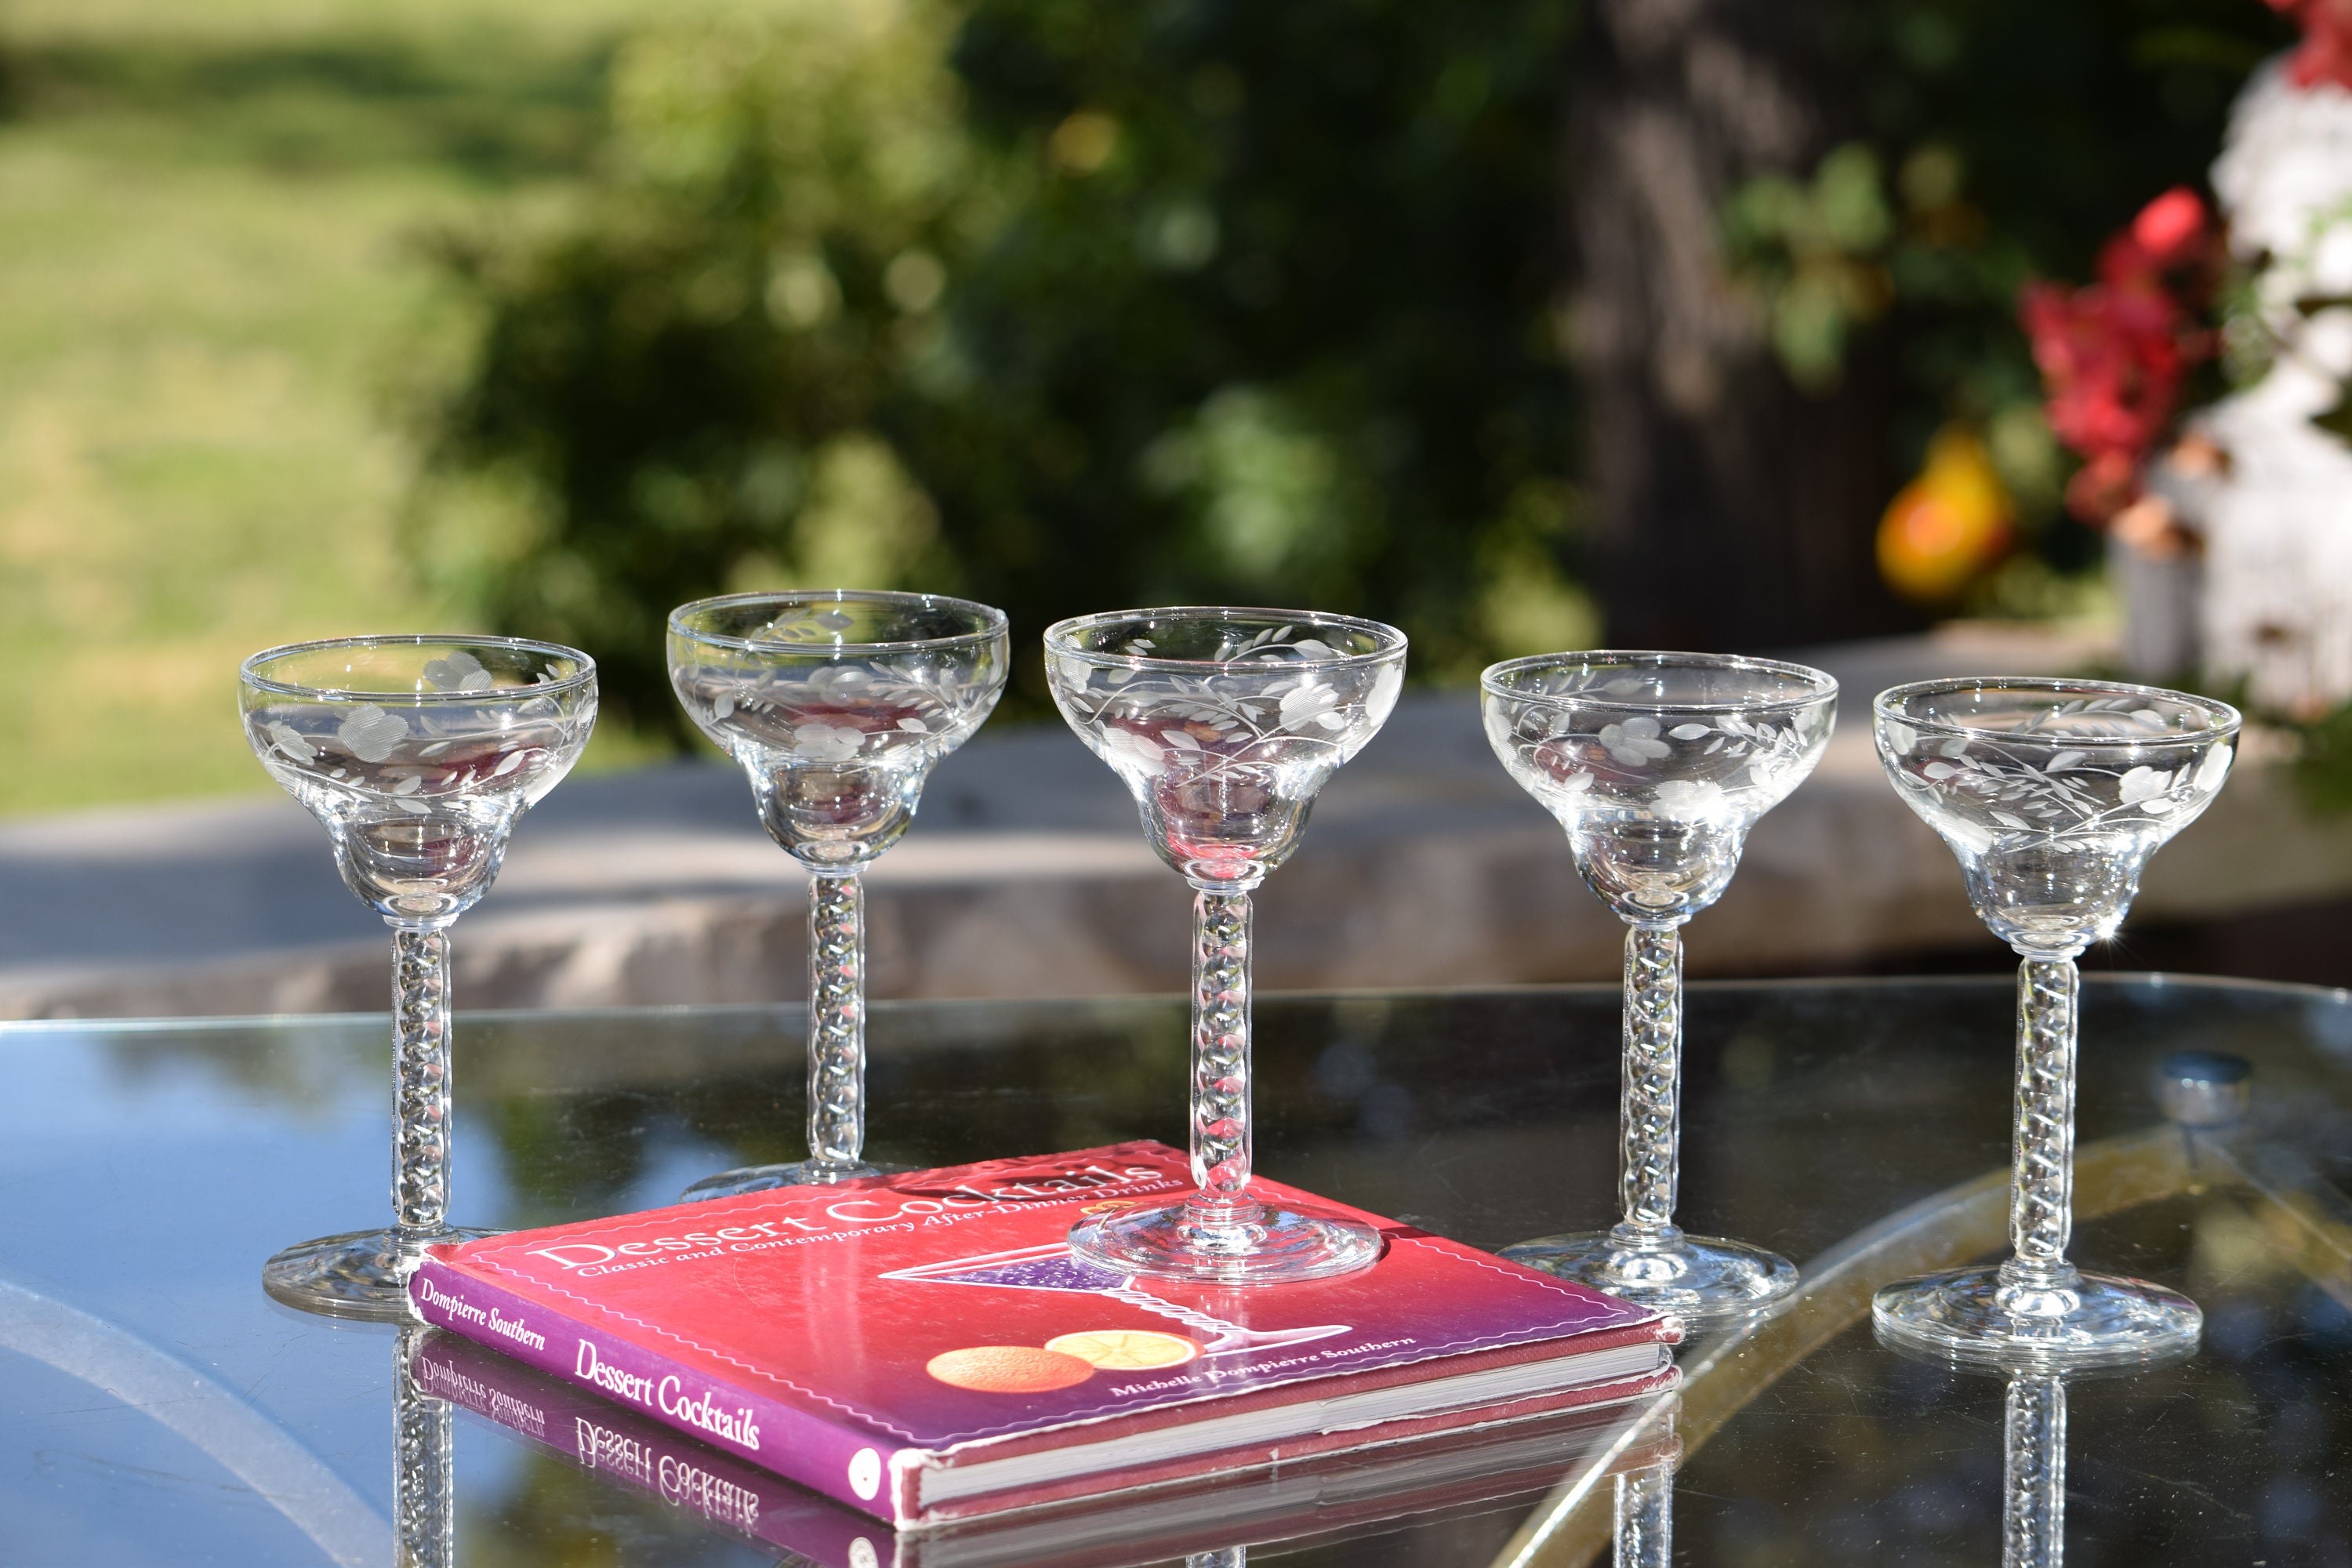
x=837, y=1026
x=1221, y=1061
x=1646, y=1518
x=424, y=1480
x=2042, y=1183
x=1649, y=1112
x=420, y=1083
x=2033, y=1512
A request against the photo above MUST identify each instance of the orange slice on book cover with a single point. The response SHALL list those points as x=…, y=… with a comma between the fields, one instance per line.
x=1125, y=1350
x=1008, y=1369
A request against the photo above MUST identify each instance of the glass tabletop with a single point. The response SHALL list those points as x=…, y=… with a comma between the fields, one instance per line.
x=156, y=1407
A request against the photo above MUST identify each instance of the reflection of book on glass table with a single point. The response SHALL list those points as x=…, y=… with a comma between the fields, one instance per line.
x=1317, y=1500
x=925, y=1348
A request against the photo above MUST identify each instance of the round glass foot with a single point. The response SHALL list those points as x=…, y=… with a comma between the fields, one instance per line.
x=795, y=1173
x=1700, y=1278
x=1969, y=1317
x=1263, y=1245
x=360, y=1274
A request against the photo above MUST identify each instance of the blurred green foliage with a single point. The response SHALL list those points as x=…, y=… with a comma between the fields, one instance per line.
x=1063, y=304
x=1058, y=306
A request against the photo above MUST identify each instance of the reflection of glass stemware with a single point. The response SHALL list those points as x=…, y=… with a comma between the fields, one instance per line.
x=423, y=1473
x=1054, y=1267
x=417, y=753
x=1645, y=1532
x=838, y=705
x=2034, y=1439
x=1224, y=724
x=2053, y=795
x=1657, y=764
x=2033, y=1471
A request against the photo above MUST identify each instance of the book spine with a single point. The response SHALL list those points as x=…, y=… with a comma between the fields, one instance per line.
x=608, y=1440
x=842, y=1462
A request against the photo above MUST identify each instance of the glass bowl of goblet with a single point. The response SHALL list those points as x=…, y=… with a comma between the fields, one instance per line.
x=837, y=704
x=417, y=754
x=2052, y=794
x=1224, y=724
x=1658, y=764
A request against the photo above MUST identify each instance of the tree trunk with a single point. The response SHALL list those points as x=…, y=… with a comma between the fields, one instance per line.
x=1734, y=511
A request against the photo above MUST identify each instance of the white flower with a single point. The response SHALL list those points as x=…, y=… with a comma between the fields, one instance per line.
x=460, y=671
x=1307, y=701
x=2213, y=770
x=1634, y=742
x=827, y=742
x=1900, y=737
x=836, y=682
x=1687, y=799
x=1133, y=748
x=370, y=733
x=2144, y=784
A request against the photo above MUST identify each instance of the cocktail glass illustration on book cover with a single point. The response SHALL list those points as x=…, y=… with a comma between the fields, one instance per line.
x=417, y=754
x=838, y=704
x=1658, y=764
x=1056, y=1267
x=1224, y=724
x=2052, y=795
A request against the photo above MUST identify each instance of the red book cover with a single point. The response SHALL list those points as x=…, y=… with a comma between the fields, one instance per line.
x=925, y=1347
x=1362, y=1491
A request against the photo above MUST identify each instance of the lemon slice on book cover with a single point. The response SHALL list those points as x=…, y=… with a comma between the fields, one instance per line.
x=1125, y=1350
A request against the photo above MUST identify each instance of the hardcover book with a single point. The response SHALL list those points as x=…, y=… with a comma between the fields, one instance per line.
x=1322, y=1500
x=925, y=1347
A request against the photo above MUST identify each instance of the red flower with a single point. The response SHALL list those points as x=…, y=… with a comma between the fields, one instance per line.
x=2111, y=359
x=2325, y=53
x=2113, y=356
x=2170, y=236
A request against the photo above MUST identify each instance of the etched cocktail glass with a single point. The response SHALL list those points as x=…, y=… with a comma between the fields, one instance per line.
x=1658, y=764
x=1224, y=724
x=2053, y=794
x=417, y=753
x=838, y=704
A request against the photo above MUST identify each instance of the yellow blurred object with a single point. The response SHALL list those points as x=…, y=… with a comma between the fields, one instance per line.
x=1946, y=527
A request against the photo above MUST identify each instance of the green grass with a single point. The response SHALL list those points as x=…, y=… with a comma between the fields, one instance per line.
x=213, y=302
